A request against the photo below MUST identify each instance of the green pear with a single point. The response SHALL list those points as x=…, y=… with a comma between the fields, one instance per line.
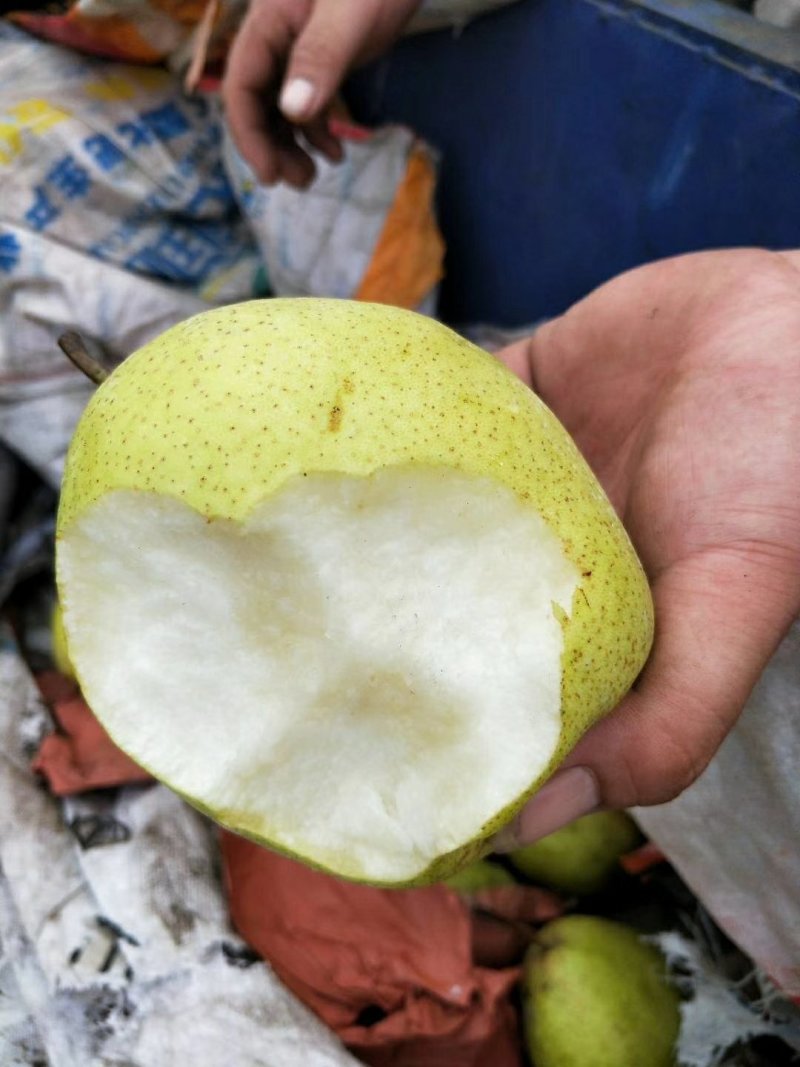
x=483, y=874
x=581, y=857
x=336, y=576
x=58, y=640
x=596, y=995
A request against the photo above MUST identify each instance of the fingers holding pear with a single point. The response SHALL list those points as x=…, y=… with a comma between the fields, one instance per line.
x=631, y=371
x=715, y=633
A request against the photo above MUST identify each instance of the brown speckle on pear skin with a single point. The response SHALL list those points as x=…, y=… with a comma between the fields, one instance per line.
x=335, y=419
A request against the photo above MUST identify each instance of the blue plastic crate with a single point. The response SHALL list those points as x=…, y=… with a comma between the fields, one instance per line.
x=582, y=137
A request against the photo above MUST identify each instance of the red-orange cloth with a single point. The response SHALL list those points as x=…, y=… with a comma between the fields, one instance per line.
x=642, y=859
x=80, y=755
x=390, y=971
x=504, y=919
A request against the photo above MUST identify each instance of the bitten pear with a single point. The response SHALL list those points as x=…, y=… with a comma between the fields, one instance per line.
x=342, y=581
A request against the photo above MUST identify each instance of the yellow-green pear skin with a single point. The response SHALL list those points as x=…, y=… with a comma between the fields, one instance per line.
x=481, y=875
x=581, y=857
x=596, y=995
x=58, y=639
x=222, y=410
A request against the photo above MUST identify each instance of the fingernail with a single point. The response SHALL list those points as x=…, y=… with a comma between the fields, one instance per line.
x=296, y=98
x=567, y=796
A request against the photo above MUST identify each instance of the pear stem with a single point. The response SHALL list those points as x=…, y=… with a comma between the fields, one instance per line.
x=73, y=347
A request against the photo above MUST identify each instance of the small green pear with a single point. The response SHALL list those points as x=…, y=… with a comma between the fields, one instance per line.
x=342, y=581
x=596, y=995
x=483, y=874
x=581, y=857
x=58, y=639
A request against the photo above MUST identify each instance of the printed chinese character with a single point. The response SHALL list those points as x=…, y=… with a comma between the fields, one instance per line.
x=9, y=252
x=10, y=141
x=216, y=193
x=43, y=210
x=180, y=255
x=103, y=151
x=135, y=133
x=166, y=122
x=38, y=115
x=69, y=177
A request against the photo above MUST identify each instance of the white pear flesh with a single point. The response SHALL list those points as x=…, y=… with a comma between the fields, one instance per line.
x=370, y=667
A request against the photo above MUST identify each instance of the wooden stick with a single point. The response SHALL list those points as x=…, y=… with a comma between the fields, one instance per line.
x=73, y=347
x=202, y=39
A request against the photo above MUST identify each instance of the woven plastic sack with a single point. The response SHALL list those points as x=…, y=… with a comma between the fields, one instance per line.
x=123, y=212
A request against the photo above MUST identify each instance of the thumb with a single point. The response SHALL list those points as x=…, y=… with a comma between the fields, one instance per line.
x=335, y=36
x=715, y=634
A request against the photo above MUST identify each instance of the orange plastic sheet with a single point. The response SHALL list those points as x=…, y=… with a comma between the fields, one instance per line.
x=642, y=859
x=408, y=259
x=146, y=32
x=79, y=755
x=391, y=971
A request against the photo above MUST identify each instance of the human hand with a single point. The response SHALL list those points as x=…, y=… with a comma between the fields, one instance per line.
x=680, y=383
x=284, y=69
